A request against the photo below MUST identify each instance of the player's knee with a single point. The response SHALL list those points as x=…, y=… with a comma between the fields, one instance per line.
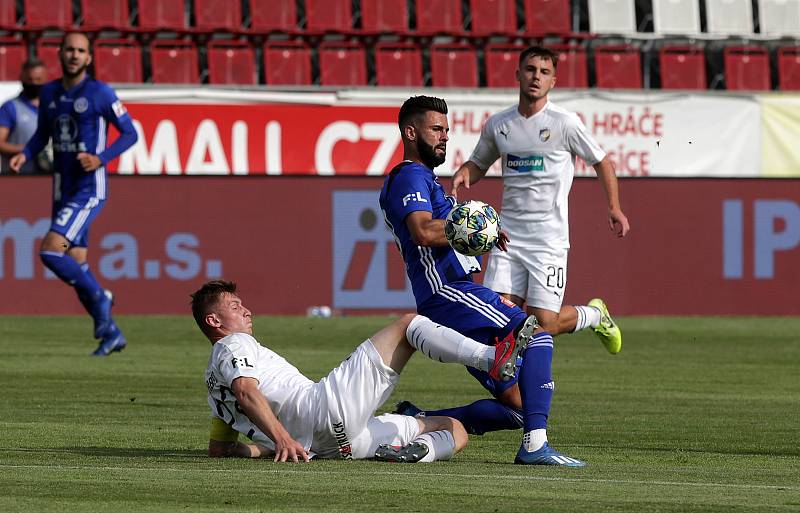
x=460, y=435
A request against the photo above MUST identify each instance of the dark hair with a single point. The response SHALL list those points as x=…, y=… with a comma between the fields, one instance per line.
x=419, y=105
x=73, y=33
x=538, y=51
x=31, y=63
x=204, y=299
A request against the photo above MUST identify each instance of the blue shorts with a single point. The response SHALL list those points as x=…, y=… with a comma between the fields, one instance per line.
x=478, y=313
x=73, y=217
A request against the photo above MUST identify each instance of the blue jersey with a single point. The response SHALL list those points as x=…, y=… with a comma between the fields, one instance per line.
x=412, y=187
x=19, y=116
x=77, y=120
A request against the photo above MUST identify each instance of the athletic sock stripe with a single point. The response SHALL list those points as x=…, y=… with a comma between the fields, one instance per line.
x=454, y=296
x=478, y=302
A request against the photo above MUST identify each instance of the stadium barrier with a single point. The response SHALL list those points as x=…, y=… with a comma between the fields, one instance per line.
x=697, y=246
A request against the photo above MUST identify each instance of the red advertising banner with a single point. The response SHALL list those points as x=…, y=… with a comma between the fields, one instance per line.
x=697, y=247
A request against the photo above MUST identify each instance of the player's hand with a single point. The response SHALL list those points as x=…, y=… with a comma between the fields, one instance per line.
x=16, y=162
x=290, y=450
x=89, y=162
x=618, y=223
x=502, y=241
x=460, y=178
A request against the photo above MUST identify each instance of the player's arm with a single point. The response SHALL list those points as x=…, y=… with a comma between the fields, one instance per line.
x=37, y=142
x=5, y=146
x=114, y=112
x=257, y=409
x=617, y=220
x=425, y=230
x=483, y=156
x=223, y=442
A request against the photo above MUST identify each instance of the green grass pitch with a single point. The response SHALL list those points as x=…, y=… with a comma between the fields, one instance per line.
x=695, y=414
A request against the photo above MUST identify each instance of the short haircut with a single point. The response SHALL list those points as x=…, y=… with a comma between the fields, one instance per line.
x=75, y=33
x=207, y=296
x=31, y=63
x=419, y=105
x=538, y=51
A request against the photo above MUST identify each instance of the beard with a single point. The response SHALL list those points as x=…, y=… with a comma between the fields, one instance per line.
x=74, y=73
x=427, y=154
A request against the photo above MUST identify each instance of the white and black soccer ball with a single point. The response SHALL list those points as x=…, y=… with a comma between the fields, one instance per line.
x=472, y=227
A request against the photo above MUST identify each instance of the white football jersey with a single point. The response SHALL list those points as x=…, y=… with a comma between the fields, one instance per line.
x=293, y=397
x=538, y=162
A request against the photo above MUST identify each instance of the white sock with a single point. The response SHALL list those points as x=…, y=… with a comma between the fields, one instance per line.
x=441, y=445
x=534, y=439
x=588, y=317
x=445, y=345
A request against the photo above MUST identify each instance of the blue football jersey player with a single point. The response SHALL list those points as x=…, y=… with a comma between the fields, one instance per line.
x=415, y=206
x=75, y=112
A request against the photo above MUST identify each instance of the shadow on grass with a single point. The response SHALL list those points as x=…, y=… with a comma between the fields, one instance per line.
x=119, y=452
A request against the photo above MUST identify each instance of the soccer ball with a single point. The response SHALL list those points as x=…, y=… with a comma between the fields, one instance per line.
x=472, y=228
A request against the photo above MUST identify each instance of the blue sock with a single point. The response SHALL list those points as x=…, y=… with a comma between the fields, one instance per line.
x=72, y=273
x=483, y=416
x=536, y=381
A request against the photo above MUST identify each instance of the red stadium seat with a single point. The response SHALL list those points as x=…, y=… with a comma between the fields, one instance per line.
x=439, y=16
x=453, y=65
x=493, y=17
x=342, y=64
x=231, y=62
x=572, y=71
x=384, y=16
x=174, y=62
x=113, y=14
x=398, y=64
x=789, y=68
x=682, y=67
x=118, y=61
x=547, y=17
x=501, y=63
x=746, y=68
x=329, y=15
x=618, y=67
x=8, y=15
x=218, y=14
x=13, y=53
x=287, y=63
x=48, y=13
x=162, y=14
x=47, y=51
x=273, y=15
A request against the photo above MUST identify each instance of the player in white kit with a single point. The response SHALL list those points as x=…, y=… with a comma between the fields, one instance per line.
x=255, y=392
x=537, y=142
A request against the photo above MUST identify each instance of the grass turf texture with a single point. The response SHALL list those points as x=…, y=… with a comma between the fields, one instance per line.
x=695, y=414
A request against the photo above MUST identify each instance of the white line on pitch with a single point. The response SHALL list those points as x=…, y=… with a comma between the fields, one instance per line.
x=283, y=470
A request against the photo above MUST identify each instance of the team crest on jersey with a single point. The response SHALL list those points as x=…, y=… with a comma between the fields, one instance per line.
x=81, y=105
x=544, y=134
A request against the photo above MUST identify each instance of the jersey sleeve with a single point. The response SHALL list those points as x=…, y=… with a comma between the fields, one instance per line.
x=485, y=152
x=41, y=136
x=410, y=192
x=115, y=113
x=581, y=143
x=8, y=115
x=238, y=359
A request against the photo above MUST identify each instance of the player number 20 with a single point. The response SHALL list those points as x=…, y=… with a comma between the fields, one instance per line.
x=555, y=276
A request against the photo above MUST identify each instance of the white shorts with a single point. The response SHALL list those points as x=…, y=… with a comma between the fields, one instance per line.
x=538, y=275
x=354, y=391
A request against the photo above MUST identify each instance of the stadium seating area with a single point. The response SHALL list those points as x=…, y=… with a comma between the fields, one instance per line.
x=618, y=44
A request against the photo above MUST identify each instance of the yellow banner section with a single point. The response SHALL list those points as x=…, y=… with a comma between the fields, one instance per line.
x=780, y=126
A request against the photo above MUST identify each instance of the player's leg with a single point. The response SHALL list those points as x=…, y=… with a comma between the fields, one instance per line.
x=547, y=269
x=404, y=439
x=396, y=342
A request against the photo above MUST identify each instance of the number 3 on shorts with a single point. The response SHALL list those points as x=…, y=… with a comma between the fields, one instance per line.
x=63, y=216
